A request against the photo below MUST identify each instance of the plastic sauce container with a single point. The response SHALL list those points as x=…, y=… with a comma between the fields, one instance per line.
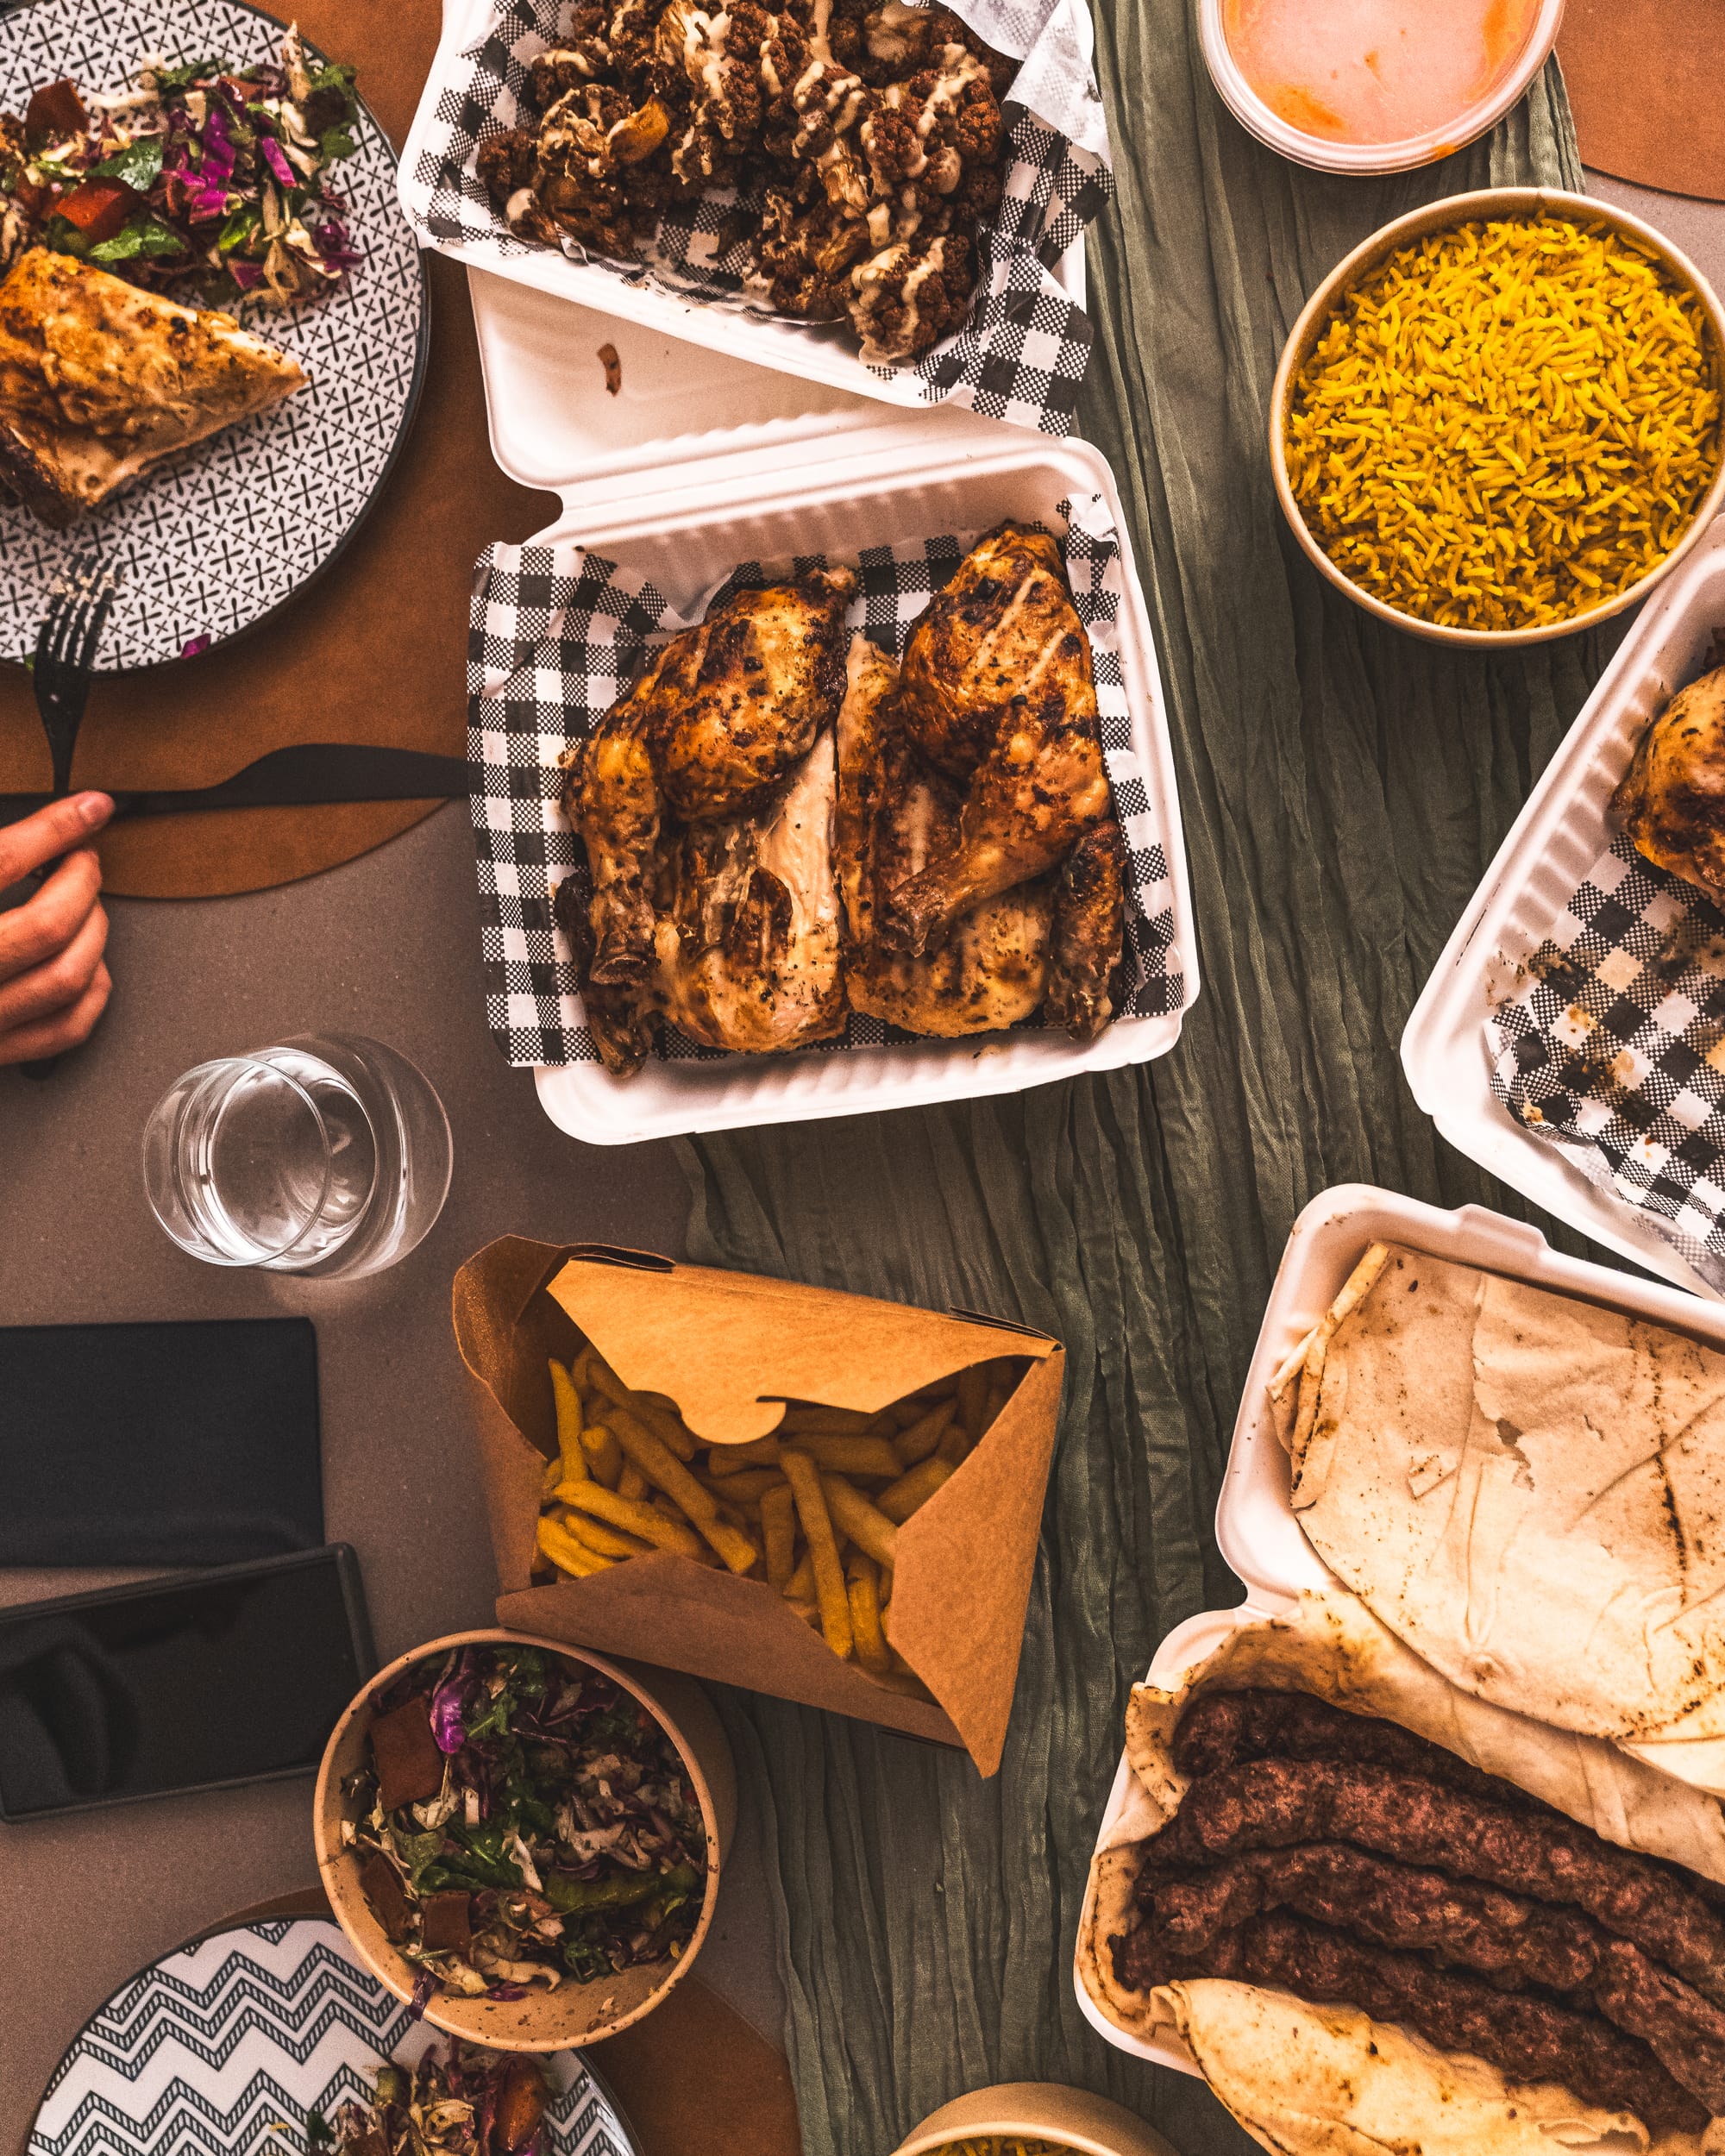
x=1374, y=85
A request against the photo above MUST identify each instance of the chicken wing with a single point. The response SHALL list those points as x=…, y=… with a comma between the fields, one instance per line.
x=1672, y=796
x=1089, y=933
x=894, y=817
x=998, y=693
x=611, y=797
x=737, y=703
x=748, y=954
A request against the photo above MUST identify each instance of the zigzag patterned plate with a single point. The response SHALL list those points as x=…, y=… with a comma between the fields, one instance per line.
x=214, y=540
x=216, y=2051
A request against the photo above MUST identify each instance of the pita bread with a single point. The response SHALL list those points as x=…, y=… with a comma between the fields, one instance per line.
x=1332, y=1647
x=1329, y=2081
x=1530, y=1491
x=100, y=380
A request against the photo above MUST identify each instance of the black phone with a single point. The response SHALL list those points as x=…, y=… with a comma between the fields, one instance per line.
x=201, y=1682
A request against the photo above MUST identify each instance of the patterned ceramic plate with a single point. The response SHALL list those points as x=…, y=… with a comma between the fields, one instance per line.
x=209, y=544
x=215, y=2051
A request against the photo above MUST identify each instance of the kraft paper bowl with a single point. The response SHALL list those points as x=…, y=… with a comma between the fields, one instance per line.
x=1044, y=2110
x=575, y=2013
x=1440, y=217
x=1327, y=154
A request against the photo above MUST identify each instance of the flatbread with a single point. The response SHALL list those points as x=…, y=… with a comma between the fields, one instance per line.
x=1329, y=2081
x=1530, y=1491
x=1305, y=2081
x=100, y=380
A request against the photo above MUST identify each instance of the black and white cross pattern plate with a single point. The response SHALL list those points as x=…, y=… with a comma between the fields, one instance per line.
x=224, y=2049
x=210, y=544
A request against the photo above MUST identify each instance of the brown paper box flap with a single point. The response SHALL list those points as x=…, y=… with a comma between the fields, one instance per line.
x=760, y=1337
x=726, y=1346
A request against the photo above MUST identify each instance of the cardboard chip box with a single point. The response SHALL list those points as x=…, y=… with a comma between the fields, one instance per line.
x=730, y=1348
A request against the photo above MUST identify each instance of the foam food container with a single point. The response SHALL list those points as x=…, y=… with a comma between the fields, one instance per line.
x=1554, y=842
x=1255, y=1523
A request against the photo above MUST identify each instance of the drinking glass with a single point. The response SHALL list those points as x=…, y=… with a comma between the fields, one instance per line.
x=327, y=1154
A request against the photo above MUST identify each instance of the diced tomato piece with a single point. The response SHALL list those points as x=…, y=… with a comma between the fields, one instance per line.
x=55, y=111
x=98, y=207
x=34, y=201
x=243, y=93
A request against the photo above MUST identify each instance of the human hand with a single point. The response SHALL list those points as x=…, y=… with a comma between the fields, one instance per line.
x=54, y=986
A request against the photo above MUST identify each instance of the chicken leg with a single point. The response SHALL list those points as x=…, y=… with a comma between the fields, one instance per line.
x=998, y=691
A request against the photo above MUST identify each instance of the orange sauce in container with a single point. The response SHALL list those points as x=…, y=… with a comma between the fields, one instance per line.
x=1376, y=71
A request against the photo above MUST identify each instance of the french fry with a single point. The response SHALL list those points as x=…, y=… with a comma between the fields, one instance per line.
x=604, y=1455
x=608, y=1542
x=805, y=1479
x=850, y=1510
x=568, y=1555
x=779, y=1531
x=632, y=1482
x=973, y=1398
x=955, y=1443
x=824, y=1422
x=862, y=1588
x=912, y=1490
x=666, y=1472
x=998, y=1396
x=915, y=1406
x=919, y=1439
x=799, y=1587
x=731, y=1459
x=853, y=1456
x=668, y=1428
x=809, y=1612
x=550, y=1479
x=567, y=1402
x=635, y=1517
x=746, y=1487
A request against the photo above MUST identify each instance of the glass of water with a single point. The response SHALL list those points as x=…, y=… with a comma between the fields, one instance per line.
x=327, y=1154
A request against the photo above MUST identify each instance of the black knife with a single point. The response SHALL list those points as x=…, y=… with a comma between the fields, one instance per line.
x=301, y=777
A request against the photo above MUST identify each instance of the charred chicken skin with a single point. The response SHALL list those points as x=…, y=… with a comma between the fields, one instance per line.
x=998, y=693
x=872, y=134
x=894, y=815
x=1672, y=796
x=760, y=807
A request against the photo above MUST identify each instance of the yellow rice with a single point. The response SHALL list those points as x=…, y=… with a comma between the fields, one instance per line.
x=1506, y=424
x=1001, y=2145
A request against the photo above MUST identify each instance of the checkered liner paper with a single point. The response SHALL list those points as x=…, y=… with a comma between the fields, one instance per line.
x=557, y=634
x=1021, y=356
x=1613, y=1046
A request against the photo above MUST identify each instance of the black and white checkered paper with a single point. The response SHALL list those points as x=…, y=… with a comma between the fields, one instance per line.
x=1613, y=1047
x=1022, y=354
x=556, y=634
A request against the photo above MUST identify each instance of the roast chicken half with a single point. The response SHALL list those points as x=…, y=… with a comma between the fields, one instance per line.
x=782, y=826
x=1672, y=796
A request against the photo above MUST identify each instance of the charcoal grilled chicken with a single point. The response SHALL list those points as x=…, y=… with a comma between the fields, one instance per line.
x=1052, y=940
x=894, y=815
x=1672, y=796
x=998, y=696
x=871, y=135
x=704, y=802
x=99, y=381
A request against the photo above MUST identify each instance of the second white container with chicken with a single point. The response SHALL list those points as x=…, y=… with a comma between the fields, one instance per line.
x=779, y=490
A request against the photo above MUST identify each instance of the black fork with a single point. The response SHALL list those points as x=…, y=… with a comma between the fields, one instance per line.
x=65, y=661
x=65, y=657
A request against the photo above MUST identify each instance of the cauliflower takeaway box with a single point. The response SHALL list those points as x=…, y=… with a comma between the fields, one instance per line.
x=818, y=1495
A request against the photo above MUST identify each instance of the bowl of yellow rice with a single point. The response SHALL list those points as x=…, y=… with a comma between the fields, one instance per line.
x=1034, y=2118
x=1499, y=420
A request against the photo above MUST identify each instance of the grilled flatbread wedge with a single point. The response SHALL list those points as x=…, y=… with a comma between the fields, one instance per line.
x=99, y=381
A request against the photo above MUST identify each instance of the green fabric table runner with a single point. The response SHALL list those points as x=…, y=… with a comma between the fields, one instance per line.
x=1342, y=787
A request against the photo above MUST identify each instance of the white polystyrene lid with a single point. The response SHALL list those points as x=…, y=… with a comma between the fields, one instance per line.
x=556, y=425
